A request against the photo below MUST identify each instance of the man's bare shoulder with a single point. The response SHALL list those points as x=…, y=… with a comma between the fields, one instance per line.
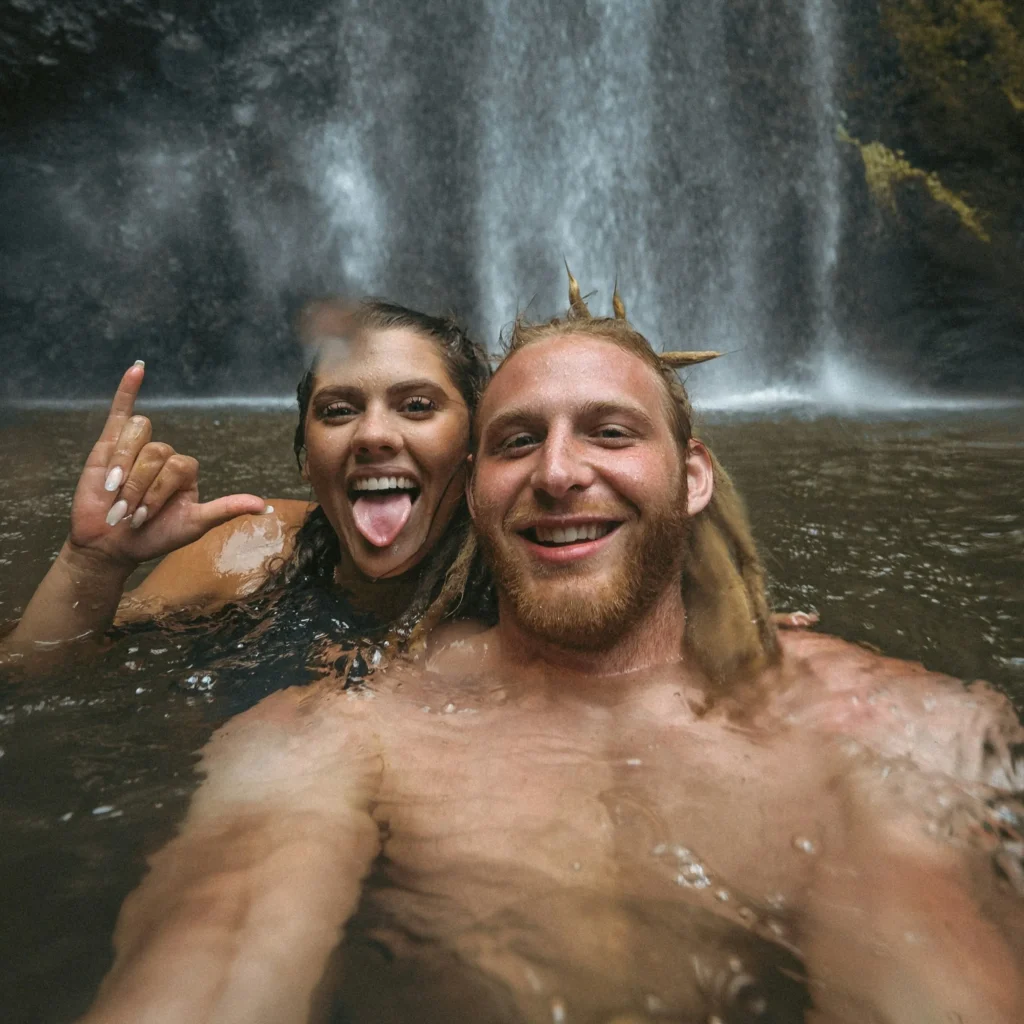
x=230, y=561
x=899, y=708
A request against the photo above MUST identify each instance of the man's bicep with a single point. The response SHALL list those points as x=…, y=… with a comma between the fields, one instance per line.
x=908, y=915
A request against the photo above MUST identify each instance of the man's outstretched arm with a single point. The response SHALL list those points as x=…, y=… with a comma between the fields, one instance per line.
x=238, y=916
x=911, y=920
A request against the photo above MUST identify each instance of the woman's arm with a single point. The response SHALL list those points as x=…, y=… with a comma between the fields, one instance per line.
x=136, y=500
x=239, y=915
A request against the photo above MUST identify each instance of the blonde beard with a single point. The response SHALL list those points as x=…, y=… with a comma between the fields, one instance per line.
x=576, y=615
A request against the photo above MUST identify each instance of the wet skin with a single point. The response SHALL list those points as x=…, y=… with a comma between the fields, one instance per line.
x=516, y=833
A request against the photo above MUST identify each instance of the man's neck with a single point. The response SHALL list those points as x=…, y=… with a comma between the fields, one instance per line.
x=656, y=639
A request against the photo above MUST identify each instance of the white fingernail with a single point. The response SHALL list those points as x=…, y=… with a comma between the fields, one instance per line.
x=114, y=478
x=117, y=512
x=140, y=362
x=140, y=516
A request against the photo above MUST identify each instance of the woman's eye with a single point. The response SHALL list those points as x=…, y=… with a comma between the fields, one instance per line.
x=337, y=411
x=418, y=404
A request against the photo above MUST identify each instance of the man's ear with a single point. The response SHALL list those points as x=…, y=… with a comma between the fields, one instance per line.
x=700, y=477
x=469, y=488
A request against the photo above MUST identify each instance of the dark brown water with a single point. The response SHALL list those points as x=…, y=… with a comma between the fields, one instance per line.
x=906, y=533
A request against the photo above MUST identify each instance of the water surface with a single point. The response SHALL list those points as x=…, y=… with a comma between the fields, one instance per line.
x=905, y=533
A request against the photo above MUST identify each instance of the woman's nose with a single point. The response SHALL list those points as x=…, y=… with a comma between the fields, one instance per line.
x=377, y=432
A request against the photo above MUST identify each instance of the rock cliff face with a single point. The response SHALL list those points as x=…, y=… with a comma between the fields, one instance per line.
x=150, y=201
x=933, y=266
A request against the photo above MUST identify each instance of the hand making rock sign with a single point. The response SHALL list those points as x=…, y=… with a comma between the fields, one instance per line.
x=137, y=499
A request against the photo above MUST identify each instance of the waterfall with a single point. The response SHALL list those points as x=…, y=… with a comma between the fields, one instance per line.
x=447, y=154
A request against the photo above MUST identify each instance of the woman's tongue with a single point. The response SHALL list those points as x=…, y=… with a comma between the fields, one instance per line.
x=381, y=518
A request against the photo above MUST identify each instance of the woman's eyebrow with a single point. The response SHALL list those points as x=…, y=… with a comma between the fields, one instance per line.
x=419, y=384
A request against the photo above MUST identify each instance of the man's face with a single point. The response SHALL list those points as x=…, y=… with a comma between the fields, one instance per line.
x=579, y=492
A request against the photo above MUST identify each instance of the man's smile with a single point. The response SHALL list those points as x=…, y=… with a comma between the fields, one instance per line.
x=566, y=540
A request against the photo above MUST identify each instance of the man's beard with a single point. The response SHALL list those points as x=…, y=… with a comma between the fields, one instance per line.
x=562, y=606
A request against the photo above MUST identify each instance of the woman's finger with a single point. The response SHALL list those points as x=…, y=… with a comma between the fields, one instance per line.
x=121, y=410
x=221, y=510
x=178, y=473
x=135, y=435
x=149, y=462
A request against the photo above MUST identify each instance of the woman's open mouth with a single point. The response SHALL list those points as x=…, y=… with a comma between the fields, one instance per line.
x=381, y=506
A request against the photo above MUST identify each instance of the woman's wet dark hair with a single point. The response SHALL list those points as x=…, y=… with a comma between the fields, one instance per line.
x=317, y=549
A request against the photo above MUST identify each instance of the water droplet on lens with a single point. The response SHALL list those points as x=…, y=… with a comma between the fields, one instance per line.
x=804, y=845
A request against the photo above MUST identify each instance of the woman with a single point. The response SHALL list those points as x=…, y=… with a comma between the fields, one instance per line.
x=384, y=421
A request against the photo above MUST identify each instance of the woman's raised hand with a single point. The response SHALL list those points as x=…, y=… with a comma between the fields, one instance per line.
x=138, y=498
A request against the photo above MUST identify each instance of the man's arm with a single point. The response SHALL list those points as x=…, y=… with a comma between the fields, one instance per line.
x=900, y=709
x=909, y=922
x=238, y=916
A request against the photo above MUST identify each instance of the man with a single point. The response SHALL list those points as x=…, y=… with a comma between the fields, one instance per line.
x=556, y=819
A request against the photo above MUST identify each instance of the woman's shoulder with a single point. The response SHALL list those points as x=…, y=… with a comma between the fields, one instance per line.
x=228, y=562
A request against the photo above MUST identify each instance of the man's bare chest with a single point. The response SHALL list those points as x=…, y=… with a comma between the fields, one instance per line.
x=511, y=802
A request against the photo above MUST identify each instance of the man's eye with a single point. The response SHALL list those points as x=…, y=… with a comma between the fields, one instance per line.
x=612, y=432
x=517, y=442
x=418, y=404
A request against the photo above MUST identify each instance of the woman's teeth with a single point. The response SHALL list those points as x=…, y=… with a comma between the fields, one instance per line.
x=571, y=534
x=383, y=483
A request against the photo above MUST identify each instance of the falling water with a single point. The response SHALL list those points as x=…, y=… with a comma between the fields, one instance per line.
x=447, y=155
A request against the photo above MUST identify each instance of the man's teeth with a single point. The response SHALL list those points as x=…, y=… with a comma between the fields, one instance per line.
x=571, y=534
x=383, y=483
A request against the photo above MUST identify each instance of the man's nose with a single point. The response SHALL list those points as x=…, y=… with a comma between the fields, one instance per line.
x=562, y=466
x=377, y=432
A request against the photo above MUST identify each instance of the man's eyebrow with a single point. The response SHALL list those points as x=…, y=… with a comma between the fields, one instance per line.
x=604, y=407
x=514, y=417
x=593, y=409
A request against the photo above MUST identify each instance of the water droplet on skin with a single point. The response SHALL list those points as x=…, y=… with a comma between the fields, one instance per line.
x=68, y=816
x=139, y=689
x=735, y=964
x=722, y=895
x=658, y=850
x=634, y=762
x=105, y=809
x=557, y=1011
x=653, y=1004
x=804, y=845
x=746, y=914
x=576, y=865
x=449, y=708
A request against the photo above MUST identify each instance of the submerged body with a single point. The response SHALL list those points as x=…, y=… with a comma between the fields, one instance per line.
x=535, y=844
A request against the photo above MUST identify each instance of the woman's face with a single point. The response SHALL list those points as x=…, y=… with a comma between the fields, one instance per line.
x=387, y=434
